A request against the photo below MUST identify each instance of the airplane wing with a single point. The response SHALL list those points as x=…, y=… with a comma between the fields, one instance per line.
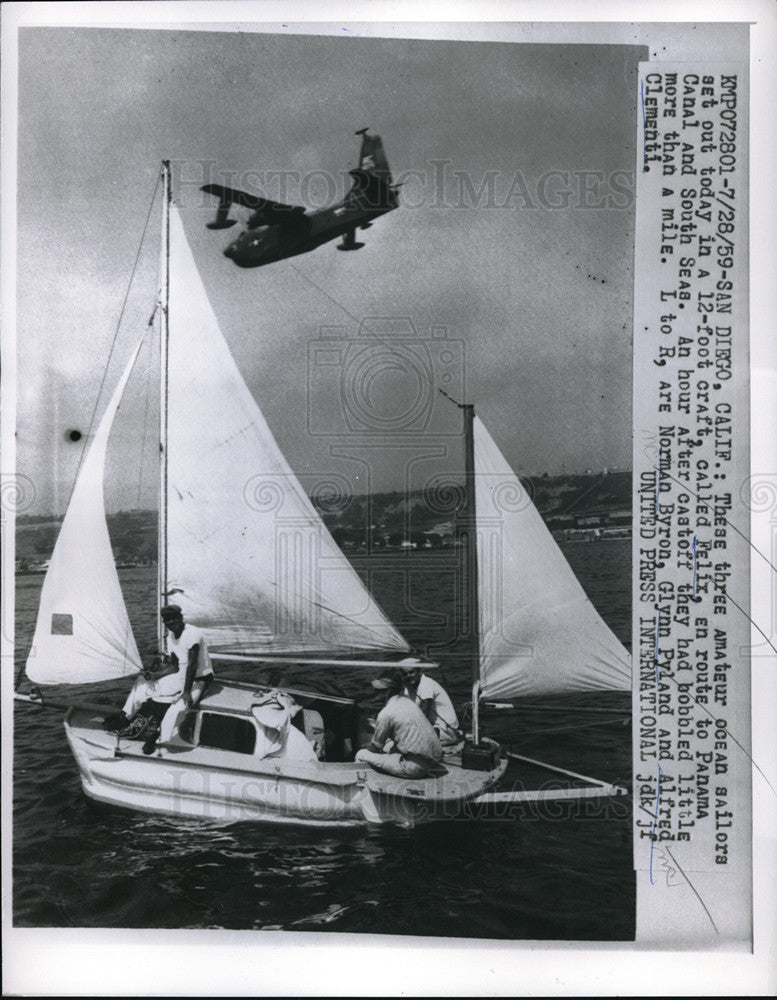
x=271, y=213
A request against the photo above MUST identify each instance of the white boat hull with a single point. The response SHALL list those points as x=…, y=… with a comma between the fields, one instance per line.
x=215, y=786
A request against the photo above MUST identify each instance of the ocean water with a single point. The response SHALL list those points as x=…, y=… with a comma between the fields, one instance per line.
x=560, y=872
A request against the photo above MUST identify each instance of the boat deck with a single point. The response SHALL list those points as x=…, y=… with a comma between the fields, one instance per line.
x=453, y=784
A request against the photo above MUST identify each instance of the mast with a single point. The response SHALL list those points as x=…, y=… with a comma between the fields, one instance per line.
x=164, y=335
x=472, y=582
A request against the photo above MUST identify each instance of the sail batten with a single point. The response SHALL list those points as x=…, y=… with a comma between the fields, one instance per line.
x=82, y=633
x=249, y=559
x=539, y=631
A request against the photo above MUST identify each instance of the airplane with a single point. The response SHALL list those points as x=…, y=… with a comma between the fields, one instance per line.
x=276, y=231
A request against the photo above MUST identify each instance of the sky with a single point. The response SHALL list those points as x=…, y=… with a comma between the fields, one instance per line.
x=517, y=295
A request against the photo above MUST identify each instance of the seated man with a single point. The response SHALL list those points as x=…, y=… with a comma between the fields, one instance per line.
x=185, y=673
x=434, y=702
x=187, y=644
x=158, y=687
x=404, y=743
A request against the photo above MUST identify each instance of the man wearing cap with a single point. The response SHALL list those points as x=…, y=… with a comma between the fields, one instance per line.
x=164, y=690
x=413, y=748
x=186, y=643
x=433, y=700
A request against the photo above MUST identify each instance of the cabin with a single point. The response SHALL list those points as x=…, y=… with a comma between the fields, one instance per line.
x=223, y=720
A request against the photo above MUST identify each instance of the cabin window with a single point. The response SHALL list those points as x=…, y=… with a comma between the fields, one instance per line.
x=61, y=624
x=227, y=732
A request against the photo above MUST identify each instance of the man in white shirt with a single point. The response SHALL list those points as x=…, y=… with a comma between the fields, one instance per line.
x=433, y=700
x=186, y=644
x=152, y=694
x=175, y=682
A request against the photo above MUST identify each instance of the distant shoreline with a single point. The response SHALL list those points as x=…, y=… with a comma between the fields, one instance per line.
x=575, y=508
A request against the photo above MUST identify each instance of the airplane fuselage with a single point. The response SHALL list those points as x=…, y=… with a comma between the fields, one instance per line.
x=275, y=231
x=265, y=244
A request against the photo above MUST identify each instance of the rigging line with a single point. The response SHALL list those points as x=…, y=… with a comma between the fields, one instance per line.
x=687, y=488
x=580, y=725
x=324, y=292
x=29, y=643
x=115, y=337
x=721, y=588
x=711, y=715
x=448, y=396
x=377, y=337
x=693, y=887
x=753, y=623
x=525, y=707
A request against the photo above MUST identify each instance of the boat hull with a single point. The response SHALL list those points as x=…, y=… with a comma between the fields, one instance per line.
x=214, y=786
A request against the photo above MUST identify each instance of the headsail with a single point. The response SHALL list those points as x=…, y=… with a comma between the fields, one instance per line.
x=83, y=632
x=249, y=559
x=539, y=631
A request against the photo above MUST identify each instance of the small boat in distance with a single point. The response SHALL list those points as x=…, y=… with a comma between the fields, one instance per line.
x=262, y=577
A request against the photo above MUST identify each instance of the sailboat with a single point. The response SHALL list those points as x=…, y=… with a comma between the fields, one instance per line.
x=263, y=579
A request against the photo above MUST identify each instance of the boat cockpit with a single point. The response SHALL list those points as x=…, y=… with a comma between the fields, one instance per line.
x=318, y=727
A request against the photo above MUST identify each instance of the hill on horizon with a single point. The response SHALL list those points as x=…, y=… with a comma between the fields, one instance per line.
x=363, y=520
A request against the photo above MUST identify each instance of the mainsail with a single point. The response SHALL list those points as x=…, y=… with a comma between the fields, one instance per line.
x=539, y=632
x=83, y=632
x=249, y=559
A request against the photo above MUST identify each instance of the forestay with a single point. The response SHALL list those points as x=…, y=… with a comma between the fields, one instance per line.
x=539, y=631
x=249, y=559
x=83, y=632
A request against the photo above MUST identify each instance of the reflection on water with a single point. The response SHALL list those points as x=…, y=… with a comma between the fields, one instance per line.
x=558, y=873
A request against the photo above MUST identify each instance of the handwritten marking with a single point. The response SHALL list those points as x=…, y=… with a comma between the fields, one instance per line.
x=693, y=889
x=668, y=867
x=655, y=823
x=644, y=125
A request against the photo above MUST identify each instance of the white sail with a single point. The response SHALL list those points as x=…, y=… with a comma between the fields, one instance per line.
x=83, y=632
x=249, y=559
x=539, y=632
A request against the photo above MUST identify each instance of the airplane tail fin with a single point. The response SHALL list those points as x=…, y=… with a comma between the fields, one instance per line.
x=372, y=158
x=373, y=184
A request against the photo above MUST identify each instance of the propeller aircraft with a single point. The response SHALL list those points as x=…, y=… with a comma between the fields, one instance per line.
x=276, y=231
